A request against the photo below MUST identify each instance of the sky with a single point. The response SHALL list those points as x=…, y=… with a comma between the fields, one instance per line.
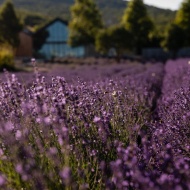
x=166, y=4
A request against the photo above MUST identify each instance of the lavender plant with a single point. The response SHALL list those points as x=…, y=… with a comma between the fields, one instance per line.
x=90, y=134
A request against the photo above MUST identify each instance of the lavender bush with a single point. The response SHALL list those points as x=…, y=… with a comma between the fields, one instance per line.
x=174, y=106
x=106, y=133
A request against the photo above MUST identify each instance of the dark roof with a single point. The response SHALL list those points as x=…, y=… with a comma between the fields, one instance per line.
x=51, y=22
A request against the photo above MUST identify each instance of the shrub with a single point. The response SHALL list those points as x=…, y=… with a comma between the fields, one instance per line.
x=6, y=59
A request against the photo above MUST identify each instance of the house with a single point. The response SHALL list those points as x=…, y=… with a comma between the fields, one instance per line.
x=55, y=41
x=25, y=48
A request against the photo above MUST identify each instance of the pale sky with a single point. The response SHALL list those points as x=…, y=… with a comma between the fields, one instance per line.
x=166, y=4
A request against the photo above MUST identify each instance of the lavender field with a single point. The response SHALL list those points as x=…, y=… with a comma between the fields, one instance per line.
x=98, y=127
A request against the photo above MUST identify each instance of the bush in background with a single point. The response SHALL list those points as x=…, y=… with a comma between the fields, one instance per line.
x=6, y=59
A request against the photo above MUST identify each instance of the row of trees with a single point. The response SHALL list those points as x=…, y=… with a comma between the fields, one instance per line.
x=134, y=32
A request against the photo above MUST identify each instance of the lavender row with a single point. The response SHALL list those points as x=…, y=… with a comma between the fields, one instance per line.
x=160, y=159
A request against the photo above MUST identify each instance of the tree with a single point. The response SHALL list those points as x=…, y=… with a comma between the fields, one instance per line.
x=178, y=33
x=34, y=20
x=39, y=38
x=183, y=20
x=174, y=39
x=137, y=21
x=103, y=41
x=155, y=39
x=116, y=37
x=9, y=25
x=85, y=23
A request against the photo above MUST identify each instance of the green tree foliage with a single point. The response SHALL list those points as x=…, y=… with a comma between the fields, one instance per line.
x=155, y=39
x=39, y=38
x=6, y=58
x=103, y=41
x=137, y=21
x=183, y=20
x=34, y=20
x=116, y=37
x=85, y=23
x=178, y=33
x=9, y=25
x=174, y=39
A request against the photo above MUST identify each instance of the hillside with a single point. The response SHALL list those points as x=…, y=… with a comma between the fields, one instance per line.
x=112, y=10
